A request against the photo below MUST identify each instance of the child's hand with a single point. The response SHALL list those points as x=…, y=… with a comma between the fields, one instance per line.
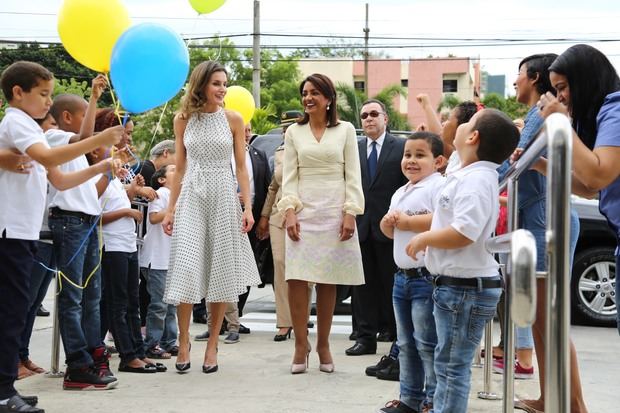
x=423, y=100
x=15, y=161
x=391, y=218
x=139, y=180
x=168, y=222
x=135, y=214
x=98, y=86
x=110, y=136
x=416, y=245
x=516, y=155
x=147, y=192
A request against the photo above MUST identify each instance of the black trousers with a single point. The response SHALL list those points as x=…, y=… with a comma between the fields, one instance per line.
x=16, y=261
x=121, y=274
x=373, y=309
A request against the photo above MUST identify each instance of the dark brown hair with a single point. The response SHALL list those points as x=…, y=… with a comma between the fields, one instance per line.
x=23, y=74
x=327, y=89
x=106, y=118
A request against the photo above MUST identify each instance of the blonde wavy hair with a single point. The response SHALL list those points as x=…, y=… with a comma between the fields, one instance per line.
x=194, y=98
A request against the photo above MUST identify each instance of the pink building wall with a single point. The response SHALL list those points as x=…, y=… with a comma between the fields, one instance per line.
x=423, y=75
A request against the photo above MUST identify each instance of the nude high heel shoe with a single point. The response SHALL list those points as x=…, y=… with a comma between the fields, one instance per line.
x=298, y=368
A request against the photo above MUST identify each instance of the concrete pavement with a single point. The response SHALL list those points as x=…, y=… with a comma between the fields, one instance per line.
x=254, y=375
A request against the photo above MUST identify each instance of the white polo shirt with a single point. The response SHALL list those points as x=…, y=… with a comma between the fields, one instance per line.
x=22, y=196
x=82, y=198
x=156, y=248
x=119, y=235
x=454, y=163
x=469, y=203
x=413, y=199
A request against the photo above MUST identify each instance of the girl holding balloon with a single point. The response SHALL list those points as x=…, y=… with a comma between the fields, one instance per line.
x=210, y=255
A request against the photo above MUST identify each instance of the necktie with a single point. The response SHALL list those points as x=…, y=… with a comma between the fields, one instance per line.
x=372, y=161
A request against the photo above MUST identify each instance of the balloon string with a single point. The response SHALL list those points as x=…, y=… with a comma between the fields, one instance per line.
x=161, y=117
x=115, y=102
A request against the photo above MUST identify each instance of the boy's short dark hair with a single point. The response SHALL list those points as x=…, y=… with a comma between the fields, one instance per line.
x=433, y=140
x=23, y=74
x=498, y=136
x=160, y=173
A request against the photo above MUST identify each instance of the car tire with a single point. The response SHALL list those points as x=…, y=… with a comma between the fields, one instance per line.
x=593, y=287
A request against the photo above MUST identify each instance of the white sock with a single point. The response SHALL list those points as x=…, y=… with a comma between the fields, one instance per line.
x=4, y=402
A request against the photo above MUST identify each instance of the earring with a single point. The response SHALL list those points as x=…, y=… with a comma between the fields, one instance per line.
x=328, y=106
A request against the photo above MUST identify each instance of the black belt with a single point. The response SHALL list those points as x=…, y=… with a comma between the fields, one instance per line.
x=468, y=282
x=54, y=211
x=420, y=272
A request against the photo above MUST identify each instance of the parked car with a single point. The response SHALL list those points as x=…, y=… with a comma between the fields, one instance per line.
x=593, y=294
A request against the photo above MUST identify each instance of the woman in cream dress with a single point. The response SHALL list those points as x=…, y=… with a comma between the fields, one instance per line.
x=321, y=195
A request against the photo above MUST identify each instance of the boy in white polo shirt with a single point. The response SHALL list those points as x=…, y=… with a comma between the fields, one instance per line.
x=413, y=288
x=467, y=282
x=161, y=319
x=28, y=88
x=73, y=220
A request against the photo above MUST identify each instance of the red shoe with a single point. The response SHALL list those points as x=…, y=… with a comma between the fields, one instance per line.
x=523, y=373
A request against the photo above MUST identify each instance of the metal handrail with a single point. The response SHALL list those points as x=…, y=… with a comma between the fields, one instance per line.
x=556, y=139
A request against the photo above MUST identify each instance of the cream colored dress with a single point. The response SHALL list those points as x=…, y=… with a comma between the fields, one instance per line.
x=322, y=182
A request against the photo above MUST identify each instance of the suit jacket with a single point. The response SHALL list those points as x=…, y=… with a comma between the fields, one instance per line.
x=379, y=191
x=262, y=178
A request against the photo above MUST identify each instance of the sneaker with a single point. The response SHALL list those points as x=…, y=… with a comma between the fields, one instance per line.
x=87, y=379
x=202, y=337
x=520, y=371
x=385, y=362
x=396, y=406
x=101, y=359
x=391, y=372
x=42, y=311
x=232, y=337
x=243, y=329
x=523, y=373
x=17, y=404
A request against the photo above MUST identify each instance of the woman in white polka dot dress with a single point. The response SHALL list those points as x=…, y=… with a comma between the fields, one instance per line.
x=210, y=255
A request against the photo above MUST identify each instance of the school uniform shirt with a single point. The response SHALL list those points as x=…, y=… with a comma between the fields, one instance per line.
x=454, y=163
x=119, y=235
x=22, y=196
x=82, y=198
x=413, y=199
x=608, y=134
x=469, y=203
x=156, y=247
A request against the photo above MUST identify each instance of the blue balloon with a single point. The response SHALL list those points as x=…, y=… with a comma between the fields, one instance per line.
x=149, y=66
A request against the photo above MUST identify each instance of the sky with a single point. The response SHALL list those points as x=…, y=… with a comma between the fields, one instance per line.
x=419, y=24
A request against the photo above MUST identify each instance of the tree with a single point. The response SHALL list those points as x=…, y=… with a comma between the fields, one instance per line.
x=449, y=101
x=350, y=102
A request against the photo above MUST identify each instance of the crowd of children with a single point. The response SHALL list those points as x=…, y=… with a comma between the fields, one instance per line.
x=446, y=288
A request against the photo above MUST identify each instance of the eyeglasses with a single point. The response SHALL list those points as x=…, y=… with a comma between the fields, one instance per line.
x=372, y=114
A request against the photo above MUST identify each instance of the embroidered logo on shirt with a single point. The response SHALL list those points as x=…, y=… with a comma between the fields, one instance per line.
x=419, y=212
x=444, y=201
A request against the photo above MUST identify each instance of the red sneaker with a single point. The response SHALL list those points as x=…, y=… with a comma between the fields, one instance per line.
x=523, y=373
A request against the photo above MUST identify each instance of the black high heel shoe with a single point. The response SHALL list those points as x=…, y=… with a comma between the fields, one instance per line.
x=209, y=369
x=184, y=367
x=283, y=337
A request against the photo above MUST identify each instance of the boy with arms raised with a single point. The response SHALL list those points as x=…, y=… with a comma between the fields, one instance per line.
x=467, y=281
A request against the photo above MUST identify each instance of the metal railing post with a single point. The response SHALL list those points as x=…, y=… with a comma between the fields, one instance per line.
x=557, y=354
x=488, y=393
x=509, y=339
x=55, y=357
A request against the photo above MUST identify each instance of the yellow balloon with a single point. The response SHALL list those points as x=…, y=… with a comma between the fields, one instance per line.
x=240, y=100
x=206, y=6
x=88, y=30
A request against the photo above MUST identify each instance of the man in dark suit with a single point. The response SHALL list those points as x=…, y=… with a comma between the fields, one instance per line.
x=260, y=177
x=380, y=157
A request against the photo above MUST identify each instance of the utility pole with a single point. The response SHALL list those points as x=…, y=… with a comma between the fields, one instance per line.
x=366, y=31
x=256, y=55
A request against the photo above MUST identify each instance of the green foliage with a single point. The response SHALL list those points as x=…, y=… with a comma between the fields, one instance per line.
x=350, y=103
x=449, y=101
x=509, y=106
x=72, y=86
x=262, y=120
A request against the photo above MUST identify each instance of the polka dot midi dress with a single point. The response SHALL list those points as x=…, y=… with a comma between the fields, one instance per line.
x=210, y=257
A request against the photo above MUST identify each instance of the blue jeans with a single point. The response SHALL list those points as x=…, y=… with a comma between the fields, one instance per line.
x=40, y=279
x=161, y=318
x=417, y=338
x=78, y=309
x=460, y=316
